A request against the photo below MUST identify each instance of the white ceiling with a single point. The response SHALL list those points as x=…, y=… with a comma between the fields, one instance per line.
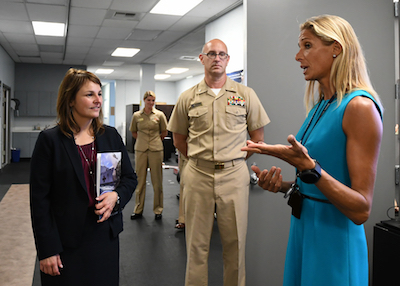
x=94, y=32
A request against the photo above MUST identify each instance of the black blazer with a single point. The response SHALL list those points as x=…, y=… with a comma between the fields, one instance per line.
x=58, y=195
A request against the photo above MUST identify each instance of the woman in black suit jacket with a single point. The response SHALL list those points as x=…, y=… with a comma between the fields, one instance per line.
x=76, y=233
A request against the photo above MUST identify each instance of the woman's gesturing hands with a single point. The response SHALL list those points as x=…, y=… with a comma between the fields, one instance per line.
x=295, y=154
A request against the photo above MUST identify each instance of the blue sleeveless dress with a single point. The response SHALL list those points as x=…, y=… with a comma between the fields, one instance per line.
x=325, y=248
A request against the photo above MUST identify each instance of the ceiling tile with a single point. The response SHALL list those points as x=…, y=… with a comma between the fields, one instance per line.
x=19, y=38
x=47, y=13
x=149, y=46
x=58, y=2
x=97, y=50
x=157, y=22
x=51, y=49
x=101, y=4
x=52, y=61
x=188, y=23
x=51, y=55
x=21, y=27
x=26, y=47
x=27, y=53
x=212, y=7
x=72, y=61
x=169, y=36
x=6, y=45
x=78, y=41
x=82, y=31
x=31, y=60
x=85, y=16
x=105, y=44
x=113, y=33
x=119, y=23
x=43, y=40
x=144, y=35
x=77, y=50
x=113, y=63
x=79, y=56
x=133, y=6
x=13, y=11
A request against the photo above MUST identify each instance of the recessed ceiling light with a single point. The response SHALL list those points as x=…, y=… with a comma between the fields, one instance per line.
x=190, y=76
x=176, y=70
x=174, y=7
x=161, y=76
x=48, y=29
x=125, y=52
x=104, y=71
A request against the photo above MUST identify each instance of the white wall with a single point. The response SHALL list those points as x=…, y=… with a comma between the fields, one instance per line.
x=165, y=92
x=185, y=84
x=106, y=102
x=230, y=29
x=126, y=92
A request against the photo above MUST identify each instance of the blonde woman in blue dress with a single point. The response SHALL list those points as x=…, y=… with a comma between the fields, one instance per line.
x=335, y=154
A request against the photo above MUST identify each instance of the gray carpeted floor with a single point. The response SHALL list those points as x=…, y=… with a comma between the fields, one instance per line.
x=17, y=247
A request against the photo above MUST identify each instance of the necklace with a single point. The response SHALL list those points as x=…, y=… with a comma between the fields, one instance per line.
x=319, y=117
x=295, y=187
x=91, y=157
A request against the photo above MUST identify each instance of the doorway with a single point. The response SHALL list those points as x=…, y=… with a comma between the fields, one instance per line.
x=397, y=100
x=5, y=125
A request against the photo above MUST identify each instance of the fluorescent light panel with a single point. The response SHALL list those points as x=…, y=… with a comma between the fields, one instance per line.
x=176, y=70
x=174, y=7
x=125, y=52
x=48, y=29
x=161, y=76
x=104, y=71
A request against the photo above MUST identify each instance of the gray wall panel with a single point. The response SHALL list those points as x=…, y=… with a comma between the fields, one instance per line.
x=41, y=77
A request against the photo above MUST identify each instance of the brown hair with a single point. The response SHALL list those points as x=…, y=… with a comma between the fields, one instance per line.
x=73, y=80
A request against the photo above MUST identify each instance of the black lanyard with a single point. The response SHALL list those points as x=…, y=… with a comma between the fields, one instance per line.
x=319, y=117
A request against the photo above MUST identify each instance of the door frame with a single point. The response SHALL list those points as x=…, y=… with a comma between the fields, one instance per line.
x=5, y=125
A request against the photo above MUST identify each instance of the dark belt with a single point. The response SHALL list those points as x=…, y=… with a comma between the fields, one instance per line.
x=315, y=199
x=216, y=165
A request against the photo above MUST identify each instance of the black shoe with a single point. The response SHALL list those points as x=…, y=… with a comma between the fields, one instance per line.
x=158, y=216
x=136, y=216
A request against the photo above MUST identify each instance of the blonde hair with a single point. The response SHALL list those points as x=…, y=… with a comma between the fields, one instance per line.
x=73, y=80
x=149, y=93
x=349, y=70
